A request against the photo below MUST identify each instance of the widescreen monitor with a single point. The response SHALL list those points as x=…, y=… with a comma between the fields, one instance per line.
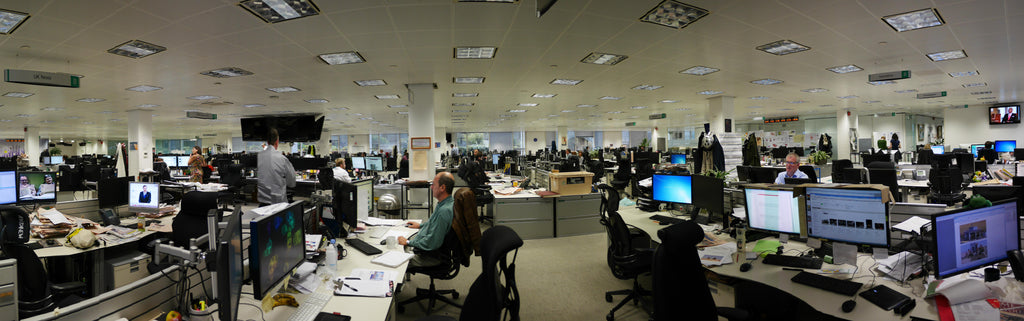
x=56, y=160
x=938, y=149
x=8, y=187
x=229, y=267
x=495, y=158
x=277, y=245
x=772, y=210
x=113, y=192
x=678, y=159
x=1004, y=115
x=856, y=216
x=358, y=163
x=37, y=187
x=966, y=239
x=672, y=188
x=143, y=197
x=1005, y=146
x=183, y=161
x=975, y=148
x=375, y=163
x=171, y=161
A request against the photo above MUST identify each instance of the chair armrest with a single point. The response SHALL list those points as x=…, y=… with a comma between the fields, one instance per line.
x=733, y=314
x=65, y=288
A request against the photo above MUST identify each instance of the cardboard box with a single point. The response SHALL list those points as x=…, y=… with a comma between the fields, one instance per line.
x=571, y=183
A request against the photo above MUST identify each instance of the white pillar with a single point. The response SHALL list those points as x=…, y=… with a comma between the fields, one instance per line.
x=719, y=109
x=421, y=124
x=440, y=144
x=562, y=137
x=140, y=127
x=323, y=146
x=32, y=148
x=842, y=140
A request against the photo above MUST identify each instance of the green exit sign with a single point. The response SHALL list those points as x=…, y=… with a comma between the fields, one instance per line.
x=631, y=124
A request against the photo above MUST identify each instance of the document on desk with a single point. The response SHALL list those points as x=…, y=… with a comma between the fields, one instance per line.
x=304, y=279
x=912, y=224
x=376, y=221
x=717, y=255
x=269, y=209
x=392, y=258
x=370, y=288
x=55, y=216
x=900, y=266
x=374, y=275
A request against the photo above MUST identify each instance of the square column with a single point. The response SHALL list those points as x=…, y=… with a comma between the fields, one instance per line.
x=421, y=124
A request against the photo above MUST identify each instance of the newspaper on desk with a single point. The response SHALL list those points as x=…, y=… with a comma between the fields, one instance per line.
x=900, y=266
x=717, y=255
x=305, y=280
x=51, y=223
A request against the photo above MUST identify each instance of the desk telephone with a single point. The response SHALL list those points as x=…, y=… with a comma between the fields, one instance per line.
x=109, y=217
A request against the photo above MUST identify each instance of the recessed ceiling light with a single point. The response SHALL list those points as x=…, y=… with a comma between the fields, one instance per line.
x=283, y=89
x=905, y=91
x=947, y=55
x=610, y=98
x=386, y=96
x=398, y=106
x=674, y=14
x=506, y=116
x=872, y=101
x=603, y=58
x=797, y=102
x=646, y=87
x=226, y=72
x=365, y=118
x=371, y=82
x=544, y=95
x=913, y=20
x=475, y=52
x=844, y=69
x=342, y=58
x=615, y=112
x=759, y=97
x=136, y=49
x=24, y=115
x=461, y=111
x=203, y=97
x=981, y=92
x=517, y=110
x=147, y=106
x=52, y=109
x=585, y=106
x=527, y=104
x=568, y=111
x=274, y=11
x=976, y=84
x=766, y=81
x=10, y=20
x=569, y=82
x=814, y=90
x=881, y=82
x=847, y=97
x=782, y=47
x=699, y=70
x=144, y=88
x=468, y=80
x=403, y=113
x=462, y=95
x=963, y=73
x=709, y=92
x=18, y=94
x=253, y=105
x=91, y=100
x=638, y=107
x=463, y=104
x=317, y=101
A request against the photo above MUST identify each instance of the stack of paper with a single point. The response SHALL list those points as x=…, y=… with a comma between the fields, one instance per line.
x=392, y=258
x=375, y=221
x=717, y=255
x=371, y=288
x=900, y=266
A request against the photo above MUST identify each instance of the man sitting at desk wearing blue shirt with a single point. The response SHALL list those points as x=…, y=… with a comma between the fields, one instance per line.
x=792, y=169
x=432, y=232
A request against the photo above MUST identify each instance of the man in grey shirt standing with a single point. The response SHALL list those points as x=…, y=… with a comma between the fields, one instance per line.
x=274, y=173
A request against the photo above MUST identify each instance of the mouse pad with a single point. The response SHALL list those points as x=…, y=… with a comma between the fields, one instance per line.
x=324, y=316
x=884, y=297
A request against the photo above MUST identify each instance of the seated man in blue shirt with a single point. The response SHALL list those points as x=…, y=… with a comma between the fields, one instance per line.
x=792, y=169
x=432, y=232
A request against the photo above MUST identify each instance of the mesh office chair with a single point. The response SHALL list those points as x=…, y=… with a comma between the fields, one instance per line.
x=231, y=175
x=191, y=220
x=837, y=169
x=36, y=295
x=885, y=173
x=809, y=170
x=450, y=254
x=626, y=261
x=679, y=284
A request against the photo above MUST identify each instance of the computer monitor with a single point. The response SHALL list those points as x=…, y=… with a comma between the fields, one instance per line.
x=183, y=161
x=763, y=174
x=495, y=158
x=358, y=163
x=8, y=187
x=938, y=149
x=1018, y=153
x=855, y=216
x=229, y=267
x=975, y=148
x=277, y=245
x=56, y=160
x=171, y=161
x=375, y=163
x=37, y=187
x=1005, y=146
x=144, y=197
x=707, y=193
x=966, y=239
x=113, y=192
x=679, y=159
x=797, y=181
x=772, y=210
x=672, y=188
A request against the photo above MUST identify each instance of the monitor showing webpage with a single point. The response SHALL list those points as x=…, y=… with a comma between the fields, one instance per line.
x=772, y=210
x=968, y=239
x=854, y=216
x=8, y=187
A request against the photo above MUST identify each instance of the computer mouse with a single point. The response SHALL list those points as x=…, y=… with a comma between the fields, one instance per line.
x=848, y=305
x=662, y=223
x=383, y=242
x=745, y=267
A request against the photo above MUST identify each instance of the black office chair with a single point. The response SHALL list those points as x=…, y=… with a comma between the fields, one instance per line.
x=207, y=173
x=494, y=294
x=191, y=220
x=325, y=177
x=403, y=168
x=623, y=175
x=679, y=285
x=809, y=170
x=450, y=254
x=837, y=169
x=885, y=173
x=231, y=175
x=626, y=261
x=851, y=176
x=36, y=295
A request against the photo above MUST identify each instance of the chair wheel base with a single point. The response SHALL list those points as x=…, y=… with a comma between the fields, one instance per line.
x=610, y=317
x=608, y=298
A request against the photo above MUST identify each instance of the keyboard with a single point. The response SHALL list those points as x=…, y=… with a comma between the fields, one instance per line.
x=802, y=262
x=314, y=303
x=364, y=247
x=666, y=219
x=844, y=287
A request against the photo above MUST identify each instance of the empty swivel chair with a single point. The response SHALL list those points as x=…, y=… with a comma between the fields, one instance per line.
x=626, y=261
x=837, y=169
x=192, y=219
x=885, y=173
x=679, y=285
x=36, y=295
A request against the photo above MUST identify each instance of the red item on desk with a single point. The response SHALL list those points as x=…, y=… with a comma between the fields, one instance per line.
x=942, y=304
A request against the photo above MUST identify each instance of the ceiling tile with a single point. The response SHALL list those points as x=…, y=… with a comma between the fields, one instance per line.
x=357, y=22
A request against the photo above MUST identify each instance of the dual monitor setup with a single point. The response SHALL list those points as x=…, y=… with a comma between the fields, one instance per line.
x=962, y=240
x=698, y=190
x=28, y=188
x=372, y=163
x=1001, y=146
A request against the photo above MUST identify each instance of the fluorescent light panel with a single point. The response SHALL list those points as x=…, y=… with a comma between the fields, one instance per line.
x=610, y=98
x=844, y=69
x=475, y=52
x=204, y=97
x=674, y=14
x=527, y=104
x=709, y=92
x=371, y=82
x=918, y=19
x=144, y=88
x=598, y=58
x=766, y=81
x=342, y=58
x=317, y=101
x=814, y=90
x=136, y=49
x=463, y=104
x=585, y=106
x=226, y=72
x=906, y=91
x=283, y=89
x=517, y=110
x=91, y=100
x=463, y=95
x=568, y=82
x=782, y=47
x=544, y=95
x=881, y=82
x=963, y=73
x=468, y=80
x=10, y=20
x=386, y=96
x=699, y=70
x=18, y=94
x=976, y=84
x=274, y=11
x=398, y=106
x=147, y=106
x=947, y=55
x=253, y=105
x=646, y=87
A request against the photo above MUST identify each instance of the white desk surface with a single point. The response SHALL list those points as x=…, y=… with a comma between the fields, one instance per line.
x=821, y=300
x=66, y=250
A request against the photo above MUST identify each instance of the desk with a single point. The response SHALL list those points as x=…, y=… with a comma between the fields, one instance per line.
x=823, y=301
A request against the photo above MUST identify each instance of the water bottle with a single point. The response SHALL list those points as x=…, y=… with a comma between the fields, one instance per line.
x=332, y=258
x=741, y=237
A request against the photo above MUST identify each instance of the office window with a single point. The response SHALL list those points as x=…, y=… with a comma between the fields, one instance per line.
x=176, y=146
x=470, y=141
x=112, y=147
x=388, y=142
x=339, y=143
x=253, y=147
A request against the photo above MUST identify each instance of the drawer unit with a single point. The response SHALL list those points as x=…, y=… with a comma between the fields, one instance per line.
x=531, y=218
x=578, y=215
x=126, y=269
